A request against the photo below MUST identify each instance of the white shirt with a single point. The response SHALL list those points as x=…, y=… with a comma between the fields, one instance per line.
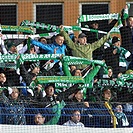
x=71, y=123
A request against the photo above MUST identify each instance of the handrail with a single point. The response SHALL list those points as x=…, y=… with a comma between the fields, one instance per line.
x=111, y=113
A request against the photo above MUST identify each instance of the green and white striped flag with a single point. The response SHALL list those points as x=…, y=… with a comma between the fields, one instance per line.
x=55, y=28
x=16, y=28
x=85, y=18
x=78, y=28
x=119, y=25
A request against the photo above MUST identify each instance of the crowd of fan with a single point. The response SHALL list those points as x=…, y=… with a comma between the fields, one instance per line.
x=117, y=55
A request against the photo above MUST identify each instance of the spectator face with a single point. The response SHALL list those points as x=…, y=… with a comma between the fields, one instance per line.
x=43, y=40
x=130, y=22
x=33, y=78
x=15, y=93
x=72, y=68
x=79, y=95
x=117, y=44
x=59, y=40
x=82, y=41
x=32, y=51
x=39, y=119
x=77, y=73
x=76, y=117
x=13, y=49
x=110, y=72
x=131, y=72
x=107, y=94
x=119, y=108
x=95, y=25
x=119, y=75
x=2, y=78
x=49, y=91
x=36, y=70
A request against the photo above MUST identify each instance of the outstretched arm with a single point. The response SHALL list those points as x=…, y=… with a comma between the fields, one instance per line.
x=68, y=40
x=41, y=45
x=4, y=50
x=57, y=113
x=100, y=42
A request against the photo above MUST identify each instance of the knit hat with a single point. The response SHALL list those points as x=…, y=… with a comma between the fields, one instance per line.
x=81, y=35
x=115, y=39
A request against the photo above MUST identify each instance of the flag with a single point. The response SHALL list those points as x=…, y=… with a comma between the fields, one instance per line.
x=119, y=22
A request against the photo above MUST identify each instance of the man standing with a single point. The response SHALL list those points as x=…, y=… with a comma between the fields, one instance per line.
x=50, y=48
x=82, y=48
x=127, y=34
x=54, y=48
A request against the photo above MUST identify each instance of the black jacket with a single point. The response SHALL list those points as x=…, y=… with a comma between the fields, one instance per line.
x=50, y=101
x=127, y=38
x=112, y=60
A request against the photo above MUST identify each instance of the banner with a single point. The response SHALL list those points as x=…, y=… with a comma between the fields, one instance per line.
x=59, y=79
x=78, y=60
x=68, y=85
x=37, y=57
x=55, y=28
x=125, y=77
x=16, y=28
x=28, y=57
x=85, y=18
x=38, y=25
x=49, y=35
x=14, y=36
x=25, y=36
x=123, y=81
x=8, y=65
x=8, y=58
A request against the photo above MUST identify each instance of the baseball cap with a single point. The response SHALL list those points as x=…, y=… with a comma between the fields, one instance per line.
x=81, y=35
x=115, y=39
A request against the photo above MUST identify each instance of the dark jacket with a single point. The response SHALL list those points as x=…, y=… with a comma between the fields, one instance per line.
x=50, y=101
x=112, y=60
x=12, y=77
x=127, y=38
x=27, y=80
x=14, y=110
x=27, y=76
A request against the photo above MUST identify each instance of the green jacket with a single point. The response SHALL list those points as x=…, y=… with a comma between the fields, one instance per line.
x=83, y=51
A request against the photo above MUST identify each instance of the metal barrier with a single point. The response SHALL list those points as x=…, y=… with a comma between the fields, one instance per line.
x=96, y=115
